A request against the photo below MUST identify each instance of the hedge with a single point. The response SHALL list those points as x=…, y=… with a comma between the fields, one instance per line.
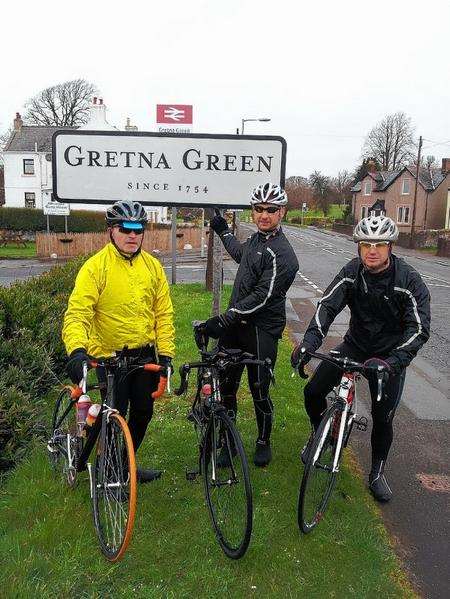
x=32, y=356
x=30, y=219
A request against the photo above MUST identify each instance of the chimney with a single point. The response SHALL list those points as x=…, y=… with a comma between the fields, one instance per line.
x=18, y=123
x=371, y=166
x=445, y=166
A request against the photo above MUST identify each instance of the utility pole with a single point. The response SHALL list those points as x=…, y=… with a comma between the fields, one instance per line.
x=413, y=222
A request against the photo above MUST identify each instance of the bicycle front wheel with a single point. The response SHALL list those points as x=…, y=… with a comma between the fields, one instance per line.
x=318, y=477
x=227, y=485
x=114, y=487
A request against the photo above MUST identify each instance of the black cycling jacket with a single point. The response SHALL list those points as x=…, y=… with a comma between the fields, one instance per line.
x=389, y=311
x=267, y=268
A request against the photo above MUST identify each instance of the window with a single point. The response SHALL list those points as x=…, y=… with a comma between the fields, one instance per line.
x=406, y=187
x=28, y=166
x=403, y=214
x=367, y=188
x=364, y=211
x=30, y=199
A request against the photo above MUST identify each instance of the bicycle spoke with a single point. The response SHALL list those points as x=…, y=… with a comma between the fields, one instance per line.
x=227, y=486
x=114, y=495
x=319, y=477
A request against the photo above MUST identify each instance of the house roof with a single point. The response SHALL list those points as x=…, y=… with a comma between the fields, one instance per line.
x=26, y=139
x=430, y=179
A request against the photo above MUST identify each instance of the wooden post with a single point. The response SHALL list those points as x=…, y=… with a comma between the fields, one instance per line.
x=217, y=274
x=413, y=221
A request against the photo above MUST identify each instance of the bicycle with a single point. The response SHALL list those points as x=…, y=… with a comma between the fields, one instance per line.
x=324, y=456
x=112, y=477
x=222, y=460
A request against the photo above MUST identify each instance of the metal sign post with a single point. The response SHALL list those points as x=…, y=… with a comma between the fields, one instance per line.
x=202, y=235
x=174, y=245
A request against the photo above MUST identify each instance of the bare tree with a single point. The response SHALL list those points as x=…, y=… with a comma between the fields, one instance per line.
x=4, y=138
x=322, y=190
x=342, y=184
x=62, y=105
x=298, y=192
x=391, y=141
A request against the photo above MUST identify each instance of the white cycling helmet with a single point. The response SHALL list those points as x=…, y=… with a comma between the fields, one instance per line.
x=376, y=228
x=269, y=194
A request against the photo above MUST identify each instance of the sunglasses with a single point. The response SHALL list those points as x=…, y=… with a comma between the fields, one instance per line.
x=128, y=231
x=269, y=209
x=367, y=244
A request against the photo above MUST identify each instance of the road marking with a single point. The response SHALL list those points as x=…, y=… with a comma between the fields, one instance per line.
x=313, y=285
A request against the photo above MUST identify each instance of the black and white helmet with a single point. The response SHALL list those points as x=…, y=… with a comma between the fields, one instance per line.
x=269, y=194
x=126, y=210
x=376, y=228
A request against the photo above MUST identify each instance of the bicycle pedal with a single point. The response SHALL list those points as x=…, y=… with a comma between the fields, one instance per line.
x=361, y=423
x=191, y=475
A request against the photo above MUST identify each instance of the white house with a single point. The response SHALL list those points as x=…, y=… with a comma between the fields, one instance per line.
x=27, y=159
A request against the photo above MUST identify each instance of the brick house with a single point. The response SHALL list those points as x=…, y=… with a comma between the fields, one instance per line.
x=393, y=193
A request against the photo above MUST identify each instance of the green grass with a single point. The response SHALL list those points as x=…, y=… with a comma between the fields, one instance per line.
x=335, y=211
x=12, y=251
x=49, y=549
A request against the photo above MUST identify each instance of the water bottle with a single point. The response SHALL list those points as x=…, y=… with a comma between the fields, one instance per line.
x=92, y=414
x=83, y=404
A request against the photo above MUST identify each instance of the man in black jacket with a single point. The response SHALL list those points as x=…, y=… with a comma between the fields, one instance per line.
x=256, y=315
x=389, y=319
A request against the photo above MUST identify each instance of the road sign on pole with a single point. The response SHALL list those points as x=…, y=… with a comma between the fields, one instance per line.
x=56, y=209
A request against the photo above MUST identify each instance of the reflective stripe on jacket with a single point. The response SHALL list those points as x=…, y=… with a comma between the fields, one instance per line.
x=117, y=302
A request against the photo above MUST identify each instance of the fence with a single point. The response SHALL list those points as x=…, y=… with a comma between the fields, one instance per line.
x=76, y=244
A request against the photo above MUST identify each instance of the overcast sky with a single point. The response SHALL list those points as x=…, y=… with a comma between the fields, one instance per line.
x=323, y=72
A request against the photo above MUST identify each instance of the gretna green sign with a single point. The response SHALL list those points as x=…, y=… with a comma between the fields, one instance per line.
x=160, y=169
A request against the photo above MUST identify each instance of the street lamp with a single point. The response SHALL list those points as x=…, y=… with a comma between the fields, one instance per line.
x=253, y=120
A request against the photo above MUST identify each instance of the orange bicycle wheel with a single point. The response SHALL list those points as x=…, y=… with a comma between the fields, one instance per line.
x=114, y=488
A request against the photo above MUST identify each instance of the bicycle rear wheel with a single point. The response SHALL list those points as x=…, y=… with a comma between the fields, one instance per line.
x=65, y=445
x=114, y=487
x=318, y=477
x=228, y=489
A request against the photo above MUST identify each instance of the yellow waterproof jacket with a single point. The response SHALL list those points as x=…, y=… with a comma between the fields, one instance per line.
x=117, y=302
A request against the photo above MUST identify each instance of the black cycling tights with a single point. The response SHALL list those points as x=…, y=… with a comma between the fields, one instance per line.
x=328, y=376
x=134, y=392
x=252, y=339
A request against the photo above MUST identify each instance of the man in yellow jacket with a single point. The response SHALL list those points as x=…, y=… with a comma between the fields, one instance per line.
x=121, y=298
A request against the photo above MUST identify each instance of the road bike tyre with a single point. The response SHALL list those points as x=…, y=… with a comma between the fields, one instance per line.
x=114, y=488
x=318, y=479
x=229, y=495
x=64, y=437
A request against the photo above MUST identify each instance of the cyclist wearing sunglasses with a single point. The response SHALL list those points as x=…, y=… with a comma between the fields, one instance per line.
x=121, y=298
x=389, y=318
x=256, y=316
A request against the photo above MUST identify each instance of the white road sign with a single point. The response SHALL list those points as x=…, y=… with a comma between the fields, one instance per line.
x=56, y=209
x=161, y=169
